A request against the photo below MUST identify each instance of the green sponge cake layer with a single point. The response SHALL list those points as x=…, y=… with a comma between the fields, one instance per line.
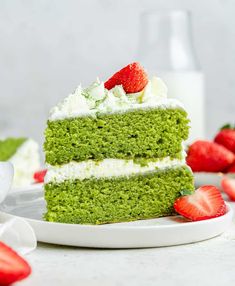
x=9, y=146
x=117, y=199
x=152, y=133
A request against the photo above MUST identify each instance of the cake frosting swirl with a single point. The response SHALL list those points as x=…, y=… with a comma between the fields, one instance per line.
x=97, y=99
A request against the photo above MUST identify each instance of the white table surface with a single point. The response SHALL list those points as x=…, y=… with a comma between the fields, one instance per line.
x=210, y=262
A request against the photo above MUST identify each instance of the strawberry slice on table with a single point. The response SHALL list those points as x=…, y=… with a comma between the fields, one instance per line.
x=206, y=156
x=12, y=266
x=205, y=203
x=39, y=176
x=133, y=78
x=226, y=137
x=228, y=186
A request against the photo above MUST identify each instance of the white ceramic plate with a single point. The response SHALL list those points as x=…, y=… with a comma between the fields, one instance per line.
x=146, y=233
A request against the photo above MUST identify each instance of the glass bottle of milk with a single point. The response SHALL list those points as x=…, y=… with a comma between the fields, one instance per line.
x=166, y=50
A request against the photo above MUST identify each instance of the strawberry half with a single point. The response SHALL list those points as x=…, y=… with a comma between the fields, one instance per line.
x=228, y=186
x=133, y=78
x=205, y=203
x=226, y=137
x=39, y=176
x=12, y=267
x=209, y=157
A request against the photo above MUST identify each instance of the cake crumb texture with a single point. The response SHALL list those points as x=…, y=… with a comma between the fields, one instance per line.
x=138, y=134
x=119, y=199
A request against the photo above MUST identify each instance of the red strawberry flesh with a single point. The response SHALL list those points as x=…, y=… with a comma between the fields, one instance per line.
x=228, y=186
x=226, y=138
x=231, y=169
x=133, y=78
x=205, y=203
x=12, y=266
x=39, y=176
x=206, y=156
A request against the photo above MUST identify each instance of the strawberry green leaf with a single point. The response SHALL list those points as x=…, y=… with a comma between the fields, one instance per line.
x=186, y=192
x=227, y=126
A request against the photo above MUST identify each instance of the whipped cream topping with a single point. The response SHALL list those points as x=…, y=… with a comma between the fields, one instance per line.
x=26, y=162
x=105, y=168
x=97, y=99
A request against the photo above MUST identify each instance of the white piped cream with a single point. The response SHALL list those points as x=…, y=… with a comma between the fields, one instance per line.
x=97, y=99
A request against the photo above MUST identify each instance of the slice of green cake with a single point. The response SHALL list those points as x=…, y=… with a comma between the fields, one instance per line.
x=114, y=152
x=23, y=153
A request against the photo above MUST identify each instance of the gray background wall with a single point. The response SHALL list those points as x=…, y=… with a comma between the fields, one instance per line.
x=47, y=47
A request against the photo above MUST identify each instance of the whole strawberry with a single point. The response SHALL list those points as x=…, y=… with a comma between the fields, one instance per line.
x=206, y=156
x=226, y=137
x=231, y=169
x=133, y=78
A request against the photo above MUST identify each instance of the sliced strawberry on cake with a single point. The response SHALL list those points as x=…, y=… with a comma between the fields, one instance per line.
x=205, y=203
x=12, y=266
x=133, y=78
x=206, y=156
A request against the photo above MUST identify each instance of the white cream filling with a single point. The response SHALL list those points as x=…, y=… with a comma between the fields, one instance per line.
x=106, y=168
x=97, y=99
x=26, y=162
